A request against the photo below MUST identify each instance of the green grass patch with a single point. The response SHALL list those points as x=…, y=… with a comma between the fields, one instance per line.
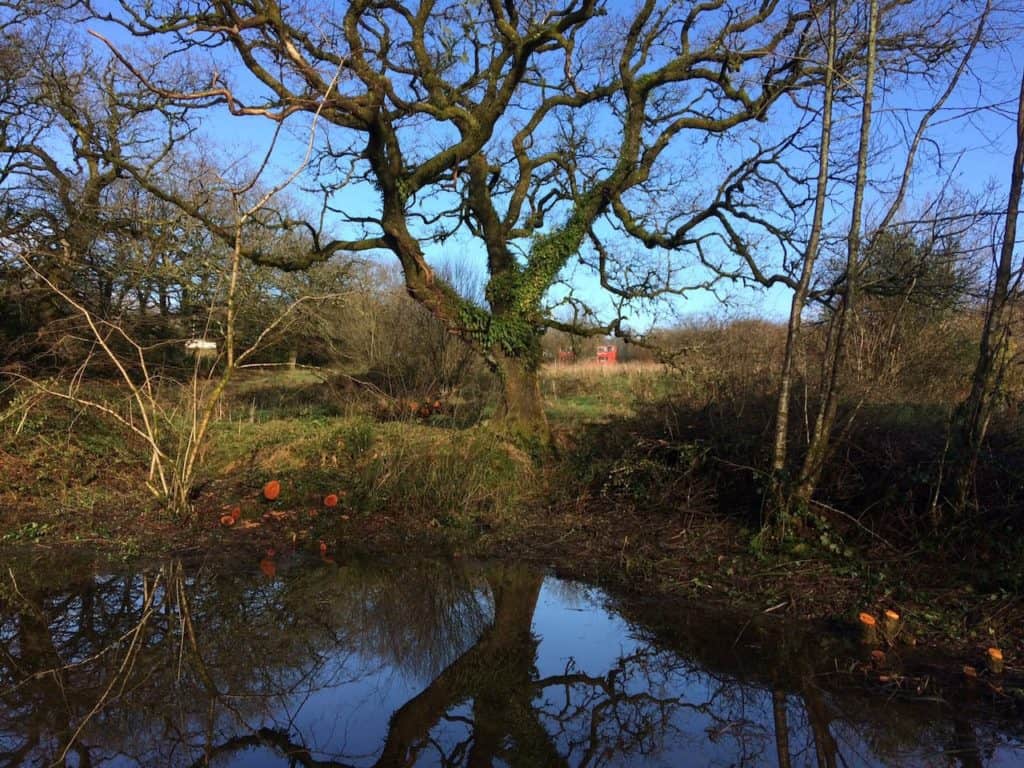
x=453, y=476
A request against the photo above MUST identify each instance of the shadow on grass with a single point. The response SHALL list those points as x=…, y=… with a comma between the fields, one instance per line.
x=879, y=485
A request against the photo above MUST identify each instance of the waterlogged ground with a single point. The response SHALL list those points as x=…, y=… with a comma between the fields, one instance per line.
x=293, y=662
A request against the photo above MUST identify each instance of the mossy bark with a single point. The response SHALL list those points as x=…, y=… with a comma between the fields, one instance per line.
x=520, y=409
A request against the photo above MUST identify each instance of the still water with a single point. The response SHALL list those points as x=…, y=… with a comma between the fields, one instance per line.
x=298, y=663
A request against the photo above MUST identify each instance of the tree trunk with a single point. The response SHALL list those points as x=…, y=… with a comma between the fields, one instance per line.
x=520, y=409
x=975, y=412
x=821, y=437
x=778, y=502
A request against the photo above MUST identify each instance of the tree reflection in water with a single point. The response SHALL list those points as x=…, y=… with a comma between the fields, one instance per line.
x=420, y=665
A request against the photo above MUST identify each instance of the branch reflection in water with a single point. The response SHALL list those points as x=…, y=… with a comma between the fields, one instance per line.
x=423, y=664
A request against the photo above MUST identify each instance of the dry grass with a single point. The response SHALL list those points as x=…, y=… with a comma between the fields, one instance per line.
x=595, y=370
x=592, y=392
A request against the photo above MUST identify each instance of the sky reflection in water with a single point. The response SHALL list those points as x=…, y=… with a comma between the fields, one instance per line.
x=427, y=664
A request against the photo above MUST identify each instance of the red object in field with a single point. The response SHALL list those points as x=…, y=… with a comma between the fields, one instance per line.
x=607, y=354
x=331, y=500
x=272, y=490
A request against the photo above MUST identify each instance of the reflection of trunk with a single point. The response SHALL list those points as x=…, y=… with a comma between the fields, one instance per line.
x=817, y=715
x=966, y=747
x=781, y=727
x=975, y=412
x=505, y=709
x=515, y=599
x=521, y=408
x=497, y=674
x=40, y=660
x=38, y=653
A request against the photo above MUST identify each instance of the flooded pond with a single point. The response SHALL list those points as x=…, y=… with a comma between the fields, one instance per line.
x=298, y=663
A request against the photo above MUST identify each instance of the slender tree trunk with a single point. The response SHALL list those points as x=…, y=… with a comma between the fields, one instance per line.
x=799, y=301
x=825, y=746
x=818, y=450
x=781, y=728
x=976, y=411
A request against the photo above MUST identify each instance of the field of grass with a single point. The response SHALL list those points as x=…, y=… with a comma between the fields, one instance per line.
x=70, y=475
x=582, y=393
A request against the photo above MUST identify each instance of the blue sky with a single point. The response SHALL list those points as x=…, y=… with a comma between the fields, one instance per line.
x=977, y=145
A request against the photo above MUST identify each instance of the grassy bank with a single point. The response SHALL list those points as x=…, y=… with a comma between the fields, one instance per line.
x=653, y=490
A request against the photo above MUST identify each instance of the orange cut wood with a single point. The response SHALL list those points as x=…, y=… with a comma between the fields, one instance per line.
x=272, y=490
x=868, y=628
x=890, y=626
x=995, y=661
x=227, y=520
x=331, y=500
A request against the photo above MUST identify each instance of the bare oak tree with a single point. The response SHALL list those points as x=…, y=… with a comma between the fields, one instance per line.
x=521, y=128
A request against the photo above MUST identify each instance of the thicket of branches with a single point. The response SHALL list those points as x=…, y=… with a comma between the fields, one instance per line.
x=599, y=162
